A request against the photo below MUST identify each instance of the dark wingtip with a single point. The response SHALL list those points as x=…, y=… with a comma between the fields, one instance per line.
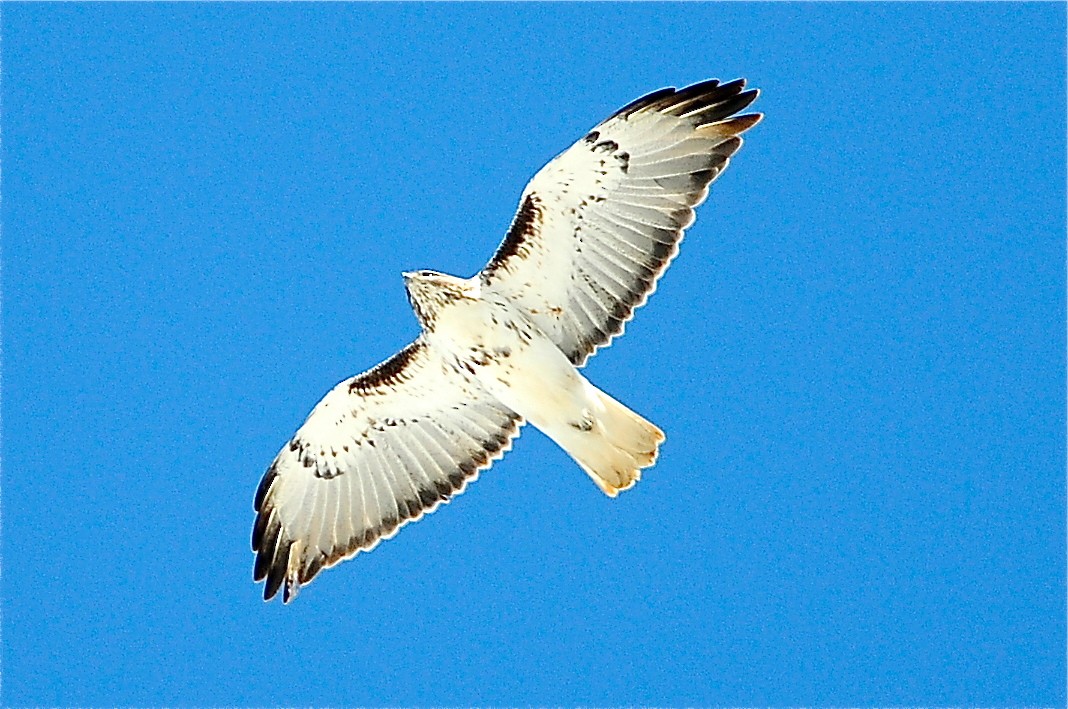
x=648, y=99
x=258, y=529
x=732, y=87
x=266, y=549
x=740, y=124
x=277, y=573
x=703, y=89
x=261, y=567
x=733, y=105
x=264, y=486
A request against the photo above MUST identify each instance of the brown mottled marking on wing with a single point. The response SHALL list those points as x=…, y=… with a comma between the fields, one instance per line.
x=380, y=450
x=612, y=209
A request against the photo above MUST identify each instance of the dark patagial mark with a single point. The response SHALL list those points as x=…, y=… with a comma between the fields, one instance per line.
x=388, y=373
x=526, y=224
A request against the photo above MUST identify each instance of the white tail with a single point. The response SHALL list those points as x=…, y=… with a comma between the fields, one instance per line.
x=612, y=444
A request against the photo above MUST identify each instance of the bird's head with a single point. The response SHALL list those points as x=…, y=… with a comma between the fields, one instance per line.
x=430, y=291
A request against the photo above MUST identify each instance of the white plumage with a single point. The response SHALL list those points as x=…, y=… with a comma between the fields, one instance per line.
x=596, y=228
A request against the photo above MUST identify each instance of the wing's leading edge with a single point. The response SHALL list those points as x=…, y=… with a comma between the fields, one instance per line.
x=598, y=226
x=380, y=450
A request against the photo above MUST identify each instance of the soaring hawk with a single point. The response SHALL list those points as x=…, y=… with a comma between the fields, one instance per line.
x=596, y=228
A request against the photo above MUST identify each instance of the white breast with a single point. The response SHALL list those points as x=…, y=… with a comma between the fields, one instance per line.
x=510, y=356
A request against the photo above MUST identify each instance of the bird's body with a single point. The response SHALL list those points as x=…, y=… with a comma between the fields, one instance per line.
x=491, y=341
x=596, y=228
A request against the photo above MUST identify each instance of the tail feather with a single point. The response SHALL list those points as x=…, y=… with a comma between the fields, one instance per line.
x=615, y=445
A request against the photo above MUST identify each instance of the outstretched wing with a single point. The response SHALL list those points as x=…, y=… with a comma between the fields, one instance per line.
x=380, y=450
x=599, y=224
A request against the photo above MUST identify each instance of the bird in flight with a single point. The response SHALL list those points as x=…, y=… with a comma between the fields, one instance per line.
x=596, y=228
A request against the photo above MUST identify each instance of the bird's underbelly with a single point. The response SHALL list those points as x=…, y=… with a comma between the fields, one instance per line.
x=544, y=391
x=519, y=365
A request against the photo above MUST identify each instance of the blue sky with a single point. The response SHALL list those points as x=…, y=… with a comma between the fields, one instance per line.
x=858, y=358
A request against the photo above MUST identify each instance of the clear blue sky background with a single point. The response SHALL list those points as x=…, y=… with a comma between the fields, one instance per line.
x=858, y=358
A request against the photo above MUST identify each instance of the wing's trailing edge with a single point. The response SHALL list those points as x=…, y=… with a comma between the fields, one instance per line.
x=380, y=450
x=599, y=225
